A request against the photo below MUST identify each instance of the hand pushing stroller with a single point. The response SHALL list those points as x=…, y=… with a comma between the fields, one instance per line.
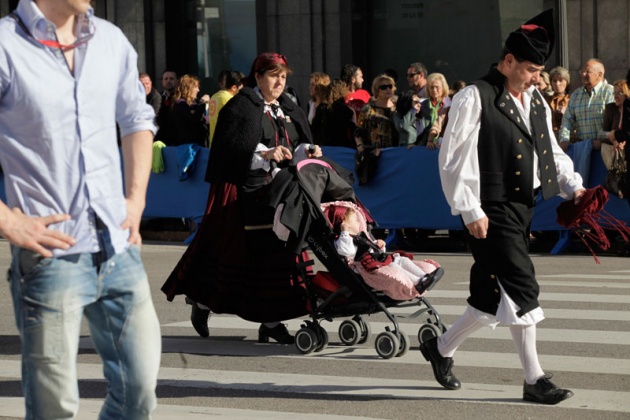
x=342, y=293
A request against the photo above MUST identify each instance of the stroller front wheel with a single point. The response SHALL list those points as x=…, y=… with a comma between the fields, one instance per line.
x=306, y=340
x=387, y=345
x=349, y=332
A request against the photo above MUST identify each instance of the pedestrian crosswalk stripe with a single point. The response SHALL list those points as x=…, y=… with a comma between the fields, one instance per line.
x=297, y=384
x=367, y=353
x=544, y=296
x=89, y=410
x=587, y=276
x=594, y=285
x=544, y=334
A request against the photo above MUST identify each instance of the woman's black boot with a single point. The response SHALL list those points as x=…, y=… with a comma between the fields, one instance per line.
x=278, y=333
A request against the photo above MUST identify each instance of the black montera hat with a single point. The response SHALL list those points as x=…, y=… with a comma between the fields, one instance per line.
x=534, y=40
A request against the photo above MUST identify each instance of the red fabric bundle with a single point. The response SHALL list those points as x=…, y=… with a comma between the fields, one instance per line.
x=589, y=219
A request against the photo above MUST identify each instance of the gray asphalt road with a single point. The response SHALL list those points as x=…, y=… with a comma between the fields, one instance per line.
x=585, y=342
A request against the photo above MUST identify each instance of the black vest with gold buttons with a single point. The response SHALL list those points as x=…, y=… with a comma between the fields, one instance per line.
x=506, y=147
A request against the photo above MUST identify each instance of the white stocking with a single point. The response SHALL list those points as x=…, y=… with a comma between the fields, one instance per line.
x=414, y=272
x=524, y=337
x=455, y=336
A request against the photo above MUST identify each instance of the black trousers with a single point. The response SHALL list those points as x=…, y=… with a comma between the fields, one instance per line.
x=503, y=257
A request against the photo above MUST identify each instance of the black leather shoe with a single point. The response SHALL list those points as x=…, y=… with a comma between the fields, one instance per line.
x=430, y=280
x=441, y=365
x=199, y=318
x=545, y=392
x=278, y=333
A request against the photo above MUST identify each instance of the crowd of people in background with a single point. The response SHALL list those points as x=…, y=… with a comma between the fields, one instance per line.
x=341, y=113
x=390, y=113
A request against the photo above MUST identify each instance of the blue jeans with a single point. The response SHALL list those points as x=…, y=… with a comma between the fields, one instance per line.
x=50, y=297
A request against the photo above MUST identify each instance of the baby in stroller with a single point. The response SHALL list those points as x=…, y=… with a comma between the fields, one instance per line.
x=396, y=274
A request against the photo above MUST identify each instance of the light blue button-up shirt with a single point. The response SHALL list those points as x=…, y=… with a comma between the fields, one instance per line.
x=58, y=143
x=585, y=113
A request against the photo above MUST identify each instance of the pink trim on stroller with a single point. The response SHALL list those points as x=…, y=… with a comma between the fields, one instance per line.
x=313, y=161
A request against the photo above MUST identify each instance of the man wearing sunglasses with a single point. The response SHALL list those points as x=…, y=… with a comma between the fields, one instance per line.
x=417, y=79
x=67, y=79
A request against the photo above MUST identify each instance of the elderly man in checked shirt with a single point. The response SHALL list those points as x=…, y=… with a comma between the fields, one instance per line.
x=584, y=115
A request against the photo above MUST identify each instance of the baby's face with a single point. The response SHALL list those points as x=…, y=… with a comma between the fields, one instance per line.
x=352, y=224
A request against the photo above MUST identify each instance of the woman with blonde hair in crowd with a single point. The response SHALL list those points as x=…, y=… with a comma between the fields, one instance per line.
x=433, y=112
x=189, y=114
x=375, y=127
x=559, y=101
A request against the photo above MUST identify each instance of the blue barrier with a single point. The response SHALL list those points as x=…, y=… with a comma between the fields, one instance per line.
x=405, y=193
x=169, y=197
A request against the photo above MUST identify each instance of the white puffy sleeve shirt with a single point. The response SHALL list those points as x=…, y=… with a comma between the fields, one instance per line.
x=459, y=162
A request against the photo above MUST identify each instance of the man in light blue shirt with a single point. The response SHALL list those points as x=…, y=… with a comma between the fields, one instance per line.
x=584, y=116
x=66, y=79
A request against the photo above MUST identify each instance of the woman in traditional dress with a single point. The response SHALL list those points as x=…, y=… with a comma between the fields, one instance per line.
x=235, y=264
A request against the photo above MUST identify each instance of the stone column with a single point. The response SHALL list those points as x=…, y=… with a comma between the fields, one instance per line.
x=129, y=16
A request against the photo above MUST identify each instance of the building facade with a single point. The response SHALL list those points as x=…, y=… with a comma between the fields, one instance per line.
x=458, y=38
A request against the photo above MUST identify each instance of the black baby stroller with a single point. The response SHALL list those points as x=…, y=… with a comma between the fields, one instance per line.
x=342, y=293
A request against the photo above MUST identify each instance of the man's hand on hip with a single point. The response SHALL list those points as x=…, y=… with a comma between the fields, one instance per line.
x=33, y=233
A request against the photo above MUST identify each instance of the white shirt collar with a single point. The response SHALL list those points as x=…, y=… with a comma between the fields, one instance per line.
x=267, y=107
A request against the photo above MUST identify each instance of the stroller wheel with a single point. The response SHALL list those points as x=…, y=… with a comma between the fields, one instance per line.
x=349, y=332
x=427, y=332
x=322, y=338
x=405, y=345
x=387, y=344
x=306, y=340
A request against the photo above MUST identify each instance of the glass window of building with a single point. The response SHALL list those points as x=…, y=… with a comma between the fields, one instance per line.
x=204, y=37
x=458, y=38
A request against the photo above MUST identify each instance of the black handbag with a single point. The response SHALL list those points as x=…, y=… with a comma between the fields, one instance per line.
x=365, y=164
x=616, y=181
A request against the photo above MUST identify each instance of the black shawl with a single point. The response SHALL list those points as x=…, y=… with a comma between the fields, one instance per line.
x=238, y=132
